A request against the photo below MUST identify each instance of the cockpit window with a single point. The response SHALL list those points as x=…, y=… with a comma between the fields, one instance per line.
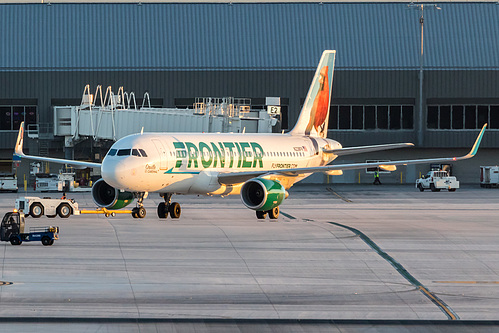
x=143, y=152
x=124, y=152
x=135, y=152
x=112, y=152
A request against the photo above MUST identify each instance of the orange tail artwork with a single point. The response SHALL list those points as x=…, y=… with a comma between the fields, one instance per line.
x=320, y=107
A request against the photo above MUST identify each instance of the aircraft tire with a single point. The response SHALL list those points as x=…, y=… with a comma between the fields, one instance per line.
x=175, y=210
x=134, y=213
x=260, y=214
x=162, y=211
x=141, y=212
x=274, y=213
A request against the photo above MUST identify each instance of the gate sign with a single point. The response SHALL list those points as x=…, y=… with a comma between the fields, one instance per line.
x=16, y=160
x=274, y=110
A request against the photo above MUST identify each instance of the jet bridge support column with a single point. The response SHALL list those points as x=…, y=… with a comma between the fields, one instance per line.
x=68, y=148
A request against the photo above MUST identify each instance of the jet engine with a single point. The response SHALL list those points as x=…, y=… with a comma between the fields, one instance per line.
x=108, y=197
x=262, y=194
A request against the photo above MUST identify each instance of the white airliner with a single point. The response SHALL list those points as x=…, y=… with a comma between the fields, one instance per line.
x=259, y=167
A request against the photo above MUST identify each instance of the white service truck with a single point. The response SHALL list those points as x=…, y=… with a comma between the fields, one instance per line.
x=36, y=207
x=437, y=180
x=8, y=182
x=51, y=182
x=489, y=176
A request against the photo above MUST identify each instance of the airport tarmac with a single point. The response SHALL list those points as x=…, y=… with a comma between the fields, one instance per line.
x=338, y=255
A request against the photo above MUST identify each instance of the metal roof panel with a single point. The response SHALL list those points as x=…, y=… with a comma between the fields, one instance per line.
x=225, y=36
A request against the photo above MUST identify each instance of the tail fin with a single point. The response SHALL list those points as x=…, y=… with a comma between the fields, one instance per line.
x=314, y=116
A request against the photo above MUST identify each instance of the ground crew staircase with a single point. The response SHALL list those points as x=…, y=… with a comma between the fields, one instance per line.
x=44, y=147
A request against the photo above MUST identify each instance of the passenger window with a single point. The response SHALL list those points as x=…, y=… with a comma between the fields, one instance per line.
x=124, y=152
x=135, y=152
x=111, y=152
x=143, y=152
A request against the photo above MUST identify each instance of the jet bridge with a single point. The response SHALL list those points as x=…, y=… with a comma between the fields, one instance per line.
x=112, y=116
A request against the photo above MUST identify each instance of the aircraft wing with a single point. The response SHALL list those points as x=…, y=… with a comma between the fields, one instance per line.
x=239, y=177
x=19, y=152
x=366, y=149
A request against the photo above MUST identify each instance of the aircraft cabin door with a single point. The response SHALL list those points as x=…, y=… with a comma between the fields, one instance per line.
x=163, y=157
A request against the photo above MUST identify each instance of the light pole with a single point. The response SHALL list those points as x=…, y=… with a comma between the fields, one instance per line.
x=421, y=118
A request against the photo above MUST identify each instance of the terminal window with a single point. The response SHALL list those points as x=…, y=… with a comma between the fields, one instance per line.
x=11, y=116
x=371, y=117
x=462, y=117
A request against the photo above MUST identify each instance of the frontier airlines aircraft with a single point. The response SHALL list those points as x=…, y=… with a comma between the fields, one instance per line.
x=259, y=167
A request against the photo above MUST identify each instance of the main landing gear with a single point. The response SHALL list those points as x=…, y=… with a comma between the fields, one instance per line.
x=273, y=213
x=168, y=207
x=140, y=211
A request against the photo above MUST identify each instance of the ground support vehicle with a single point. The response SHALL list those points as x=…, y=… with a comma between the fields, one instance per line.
x=8, y=182
x=489, y=176
x=36, y=207
x=12, y=230
x=106, y=212
x=437, y=180
x=51, y=182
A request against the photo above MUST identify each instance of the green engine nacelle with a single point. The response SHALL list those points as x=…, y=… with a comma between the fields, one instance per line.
x=262, y=194
x=106, y=196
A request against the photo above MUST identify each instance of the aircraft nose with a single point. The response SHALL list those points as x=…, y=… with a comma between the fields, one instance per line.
x=114, y=172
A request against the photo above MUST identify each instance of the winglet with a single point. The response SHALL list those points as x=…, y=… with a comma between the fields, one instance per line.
x=20, y=139
x=474, y=149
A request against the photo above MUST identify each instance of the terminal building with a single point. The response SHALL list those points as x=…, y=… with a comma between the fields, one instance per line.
x=385, y=89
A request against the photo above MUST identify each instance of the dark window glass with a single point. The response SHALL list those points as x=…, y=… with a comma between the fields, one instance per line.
x=457, y=117
x=407, y=117
x=124, y=152
x=382, y=117
x=395, y=117
x=370, y=117
x=494, y=116
x=357, y=117
x=111, y=152
x=30, y=114
x=344, y=117
x=5, y=118
x=284, y=117
x=432, y=118
x=470, y=117
x=333, y=117
x=17, y=116
x=445, y=117
x=483, y=115
x=135, y=152
x=142, y=151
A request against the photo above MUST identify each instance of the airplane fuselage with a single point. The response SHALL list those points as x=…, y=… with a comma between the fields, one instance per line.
x=186, y=163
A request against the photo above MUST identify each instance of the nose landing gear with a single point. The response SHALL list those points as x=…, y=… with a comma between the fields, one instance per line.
x=168, y=207
x=140, y=211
